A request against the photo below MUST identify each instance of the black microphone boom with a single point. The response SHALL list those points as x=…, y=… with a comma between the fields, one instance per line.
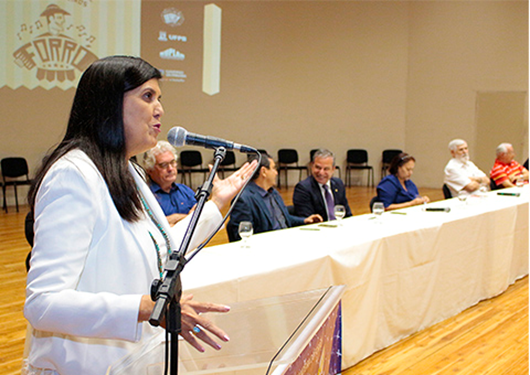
x=178, y=137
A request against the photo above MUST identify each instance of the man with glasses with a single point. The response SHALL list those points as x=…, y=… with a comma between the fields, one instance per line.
x=175, y=199
x=507, y=171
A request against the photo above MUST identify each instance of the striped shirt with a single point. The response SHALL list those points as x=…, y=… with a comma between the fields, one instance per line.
x=503, y=172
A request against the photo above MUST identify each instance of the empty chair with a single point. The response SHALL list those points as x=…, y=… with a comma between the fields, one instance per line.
x=228, y=164
x=13, y=169
x=288, y=160
x=447, y=192
x=388, y=155
x=191, y=162
x=357, y=159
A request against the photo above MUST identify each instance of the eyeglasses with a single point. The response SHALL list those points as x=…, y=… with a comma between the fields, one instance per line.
x=173, y=163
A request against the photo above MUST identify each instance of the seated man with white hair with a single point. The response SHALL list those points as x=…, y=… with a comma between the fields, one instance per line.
x=176, y=200
x=460, y=172
x=506, y=171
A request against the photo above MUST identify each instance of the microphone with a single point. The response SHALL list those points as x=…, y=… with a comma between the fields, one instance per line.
x=178, y=137
x=510, y=194
x=438, y=209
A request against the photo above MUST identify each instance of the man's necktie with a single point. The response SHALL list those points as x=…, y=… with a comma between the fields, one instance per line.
x=329, y=203
x=277, y=213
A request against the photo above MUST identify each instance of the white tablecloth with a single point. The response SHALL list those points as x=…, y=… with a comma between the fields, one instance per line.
x=402, y=274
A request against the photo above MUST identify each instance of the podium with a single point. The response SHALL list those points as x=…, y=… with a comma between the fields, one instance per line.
x=297, y=333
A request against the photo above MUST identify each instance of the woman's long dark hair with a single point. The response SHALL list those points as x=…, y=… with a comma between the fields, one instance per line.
x=96, y=127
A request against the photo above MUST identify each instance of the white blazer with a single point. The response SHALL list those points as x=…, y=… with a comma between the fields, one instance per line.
x=89, y=269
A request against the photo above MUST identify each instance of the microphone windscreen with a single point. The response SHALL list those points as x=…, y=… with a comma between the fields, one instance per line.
x=177, y=136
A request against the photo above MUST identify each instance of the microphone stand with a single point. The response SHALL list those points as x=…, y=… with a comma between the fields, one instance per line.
x=167, y=291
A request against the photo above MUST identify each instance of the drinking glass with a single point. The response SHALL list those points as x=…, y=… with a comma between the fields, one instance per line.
x=245, y=231
x=462, y=196
x=340, y=212
x=520, y=181
x=378, y=208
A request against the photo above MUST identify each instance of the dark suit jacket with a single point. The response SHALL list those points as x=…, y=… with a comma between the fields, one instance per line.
x=308, y=200
x=252, y=207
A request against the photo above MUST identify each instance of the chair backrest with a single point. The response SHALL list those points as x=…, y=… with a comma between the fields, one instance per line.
x=390, y=154
x=190, y=158
x=372, y=201
x=357, y=156
x=230, y=158
x=494, y=186
x=287, y=156
x=14, y=167
x=312, y=153
x=447, y=192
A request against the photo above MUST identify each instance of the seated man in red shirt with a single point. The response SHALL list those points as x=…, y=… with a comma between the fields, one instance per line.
x=506, y=171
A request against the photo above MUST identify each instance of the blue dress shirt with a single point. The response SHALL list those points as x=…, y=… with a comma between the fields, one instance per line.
x=179, y=200
x=390, y=191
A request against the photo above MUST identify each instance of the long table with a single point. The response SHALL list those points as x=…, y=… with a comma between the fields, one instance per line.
x=403, y=273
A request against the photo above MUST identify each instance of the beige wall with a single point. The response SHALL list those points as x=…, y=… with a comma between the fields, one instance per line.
x=458, y=49
x=340, y=75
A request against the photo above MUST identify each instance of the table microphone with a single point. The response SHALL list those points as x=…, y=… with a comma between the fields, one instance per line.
x=438, y=209
x=510, y=194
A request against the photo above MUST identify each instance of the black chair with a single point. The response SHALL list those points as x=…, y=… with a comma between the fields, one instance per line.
x=447, y=192
x=288, y=160
x=228, y=164
x=357, y=159
x=388, y=155
x=191, y=162
x=372, y=201
x=311, y=153
x=12, y=170
x=494, y=186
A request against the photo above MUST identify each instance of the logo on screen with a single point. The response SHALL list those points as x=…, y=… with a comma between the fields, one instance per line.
x=54, y=46
x=172, y=17
x=163, y=36
x=172, y=54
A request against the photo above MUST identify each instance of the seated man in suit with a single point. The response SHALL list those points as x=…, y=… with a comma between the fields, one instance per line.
x=310, y=194
x=175, y=199
x=506, y=171
x=261, y=204
x=460, y=172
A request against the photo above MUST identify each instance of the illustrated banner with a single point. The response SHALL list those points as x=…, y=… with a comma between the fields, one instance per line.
x=49, y=43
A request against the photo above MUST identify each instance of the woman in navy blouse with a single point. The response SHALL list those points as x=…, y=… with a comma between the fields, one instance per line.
x=397, y=190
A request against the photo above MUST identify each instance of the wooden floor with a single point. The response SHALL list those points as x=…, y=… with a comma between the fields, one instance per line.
x=489, y=338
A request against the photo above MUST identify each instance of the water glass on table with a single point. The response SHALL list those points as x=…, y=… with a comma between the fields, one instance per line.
x=340, y=212
x=462, y=196
x=378, y=208
x=245, y=231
